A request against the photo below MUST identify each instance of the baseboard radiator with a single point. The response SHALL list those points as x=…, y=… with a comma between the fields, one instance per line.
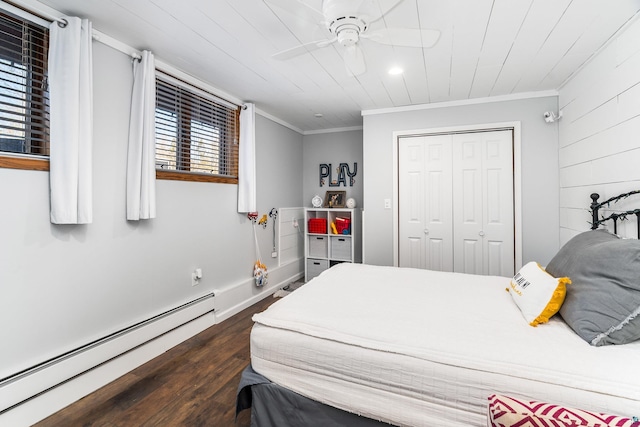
x=36, y=380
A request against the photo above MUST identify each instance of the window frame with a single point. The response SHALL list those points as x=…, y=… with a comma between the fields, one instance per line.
x=38, y=159
x=184, y=132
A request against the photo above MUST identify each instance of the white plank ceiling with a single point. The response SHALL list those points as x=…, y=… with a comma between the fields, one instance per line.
x=486, y=48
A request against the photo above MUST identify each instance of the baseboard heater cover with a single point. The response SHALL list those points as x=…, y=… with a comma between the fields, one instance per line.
x=33, y=381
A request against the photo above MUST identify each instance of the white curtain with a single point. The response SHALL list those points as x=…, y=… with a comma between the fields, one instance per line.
x=247, y=160
x=71, y=121
x=141, y=159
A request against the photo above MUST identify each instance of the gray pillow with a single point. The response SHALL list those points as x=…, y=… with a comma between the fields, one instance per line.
x=603, y=300
x=569, y=254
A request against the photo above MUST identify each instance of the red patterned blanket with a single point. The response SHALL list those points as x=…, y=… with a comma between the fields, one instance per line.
x=505, y=411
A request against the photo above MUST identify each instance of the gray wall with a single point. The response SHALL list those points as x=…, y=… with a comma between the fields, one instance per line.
x=64, y=286
x=540, y=220
x=332, y=148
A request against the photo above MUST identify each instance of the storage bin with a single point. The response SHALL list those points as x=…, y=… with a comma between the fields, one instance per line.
x=318, y=246
x=343, y=225
x=318, y=225
x=315, y=267
x=341, y=248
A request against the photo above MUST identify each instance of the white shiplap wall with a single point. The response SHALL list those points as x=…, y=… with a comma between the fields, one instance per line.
x=599, y=135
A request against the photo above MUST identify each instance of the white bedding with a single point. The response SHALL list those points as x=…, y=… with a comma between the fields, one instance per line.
x=424, y=348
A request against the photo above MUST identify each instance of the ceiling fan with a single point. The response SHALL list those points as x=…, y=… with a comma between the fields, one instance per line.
x=347, y=23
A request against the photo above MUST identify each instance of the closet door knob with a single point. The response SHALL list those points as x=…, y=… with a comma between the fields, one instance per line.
x=481, y=234
x=426, y=231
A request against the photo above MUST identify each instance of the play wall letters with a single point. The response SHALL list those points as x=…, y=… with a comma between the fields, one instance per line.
x=343, y=171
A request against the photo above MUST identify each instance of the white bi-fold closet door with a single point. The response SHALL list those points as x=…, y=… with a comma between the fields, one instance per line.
x=455, y=202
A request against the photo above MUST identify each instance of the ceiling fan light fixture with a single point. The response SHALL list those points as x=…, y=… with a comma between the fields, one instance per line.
x=394, y=71
x=348, y=36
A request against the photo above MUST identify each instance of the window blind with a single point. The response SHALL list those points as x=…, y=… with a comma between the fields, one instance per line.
x=24, y=96
x=194, y=133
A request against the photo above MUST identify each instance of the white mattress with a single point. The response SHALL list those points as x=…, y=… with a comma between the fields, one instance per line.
x=424, y=348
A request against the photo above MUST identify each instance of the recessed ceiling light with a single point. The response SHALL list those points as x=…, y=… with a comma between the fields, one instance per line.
x=318, y=115
x=394, y=71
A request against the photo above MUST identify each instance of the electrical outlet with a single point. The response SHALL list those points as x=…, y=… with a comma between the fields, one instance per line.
x=295, y=223
x=274, y=254
x=387, y=203
x=196, y=276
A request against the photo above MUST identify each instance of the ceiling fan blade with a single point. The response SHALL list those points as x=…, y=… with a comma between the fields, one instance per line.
x=299, y=9
x=382, y=11
x=354, y=60
x=404, y=37
x=303, y=48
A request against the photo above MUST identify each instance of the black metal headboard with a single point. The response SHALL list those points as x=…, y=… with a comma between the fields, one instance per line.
x=595, y=207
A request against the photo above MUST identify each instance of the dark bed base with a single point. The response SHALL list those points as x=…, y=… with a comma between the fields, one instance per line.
x=275, y=406
x=595, y=207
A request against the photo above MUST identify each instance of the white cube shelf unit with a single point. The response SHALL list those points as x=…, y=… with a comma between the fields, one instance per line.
x=325, y=245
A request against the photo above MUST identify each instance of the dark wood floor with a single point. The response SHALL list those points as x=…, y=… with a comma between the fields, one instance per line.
x=192, y=384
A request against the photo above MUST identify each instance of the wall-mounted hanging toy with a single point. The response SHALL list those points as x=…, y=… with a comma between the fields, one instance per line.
x=260, y=274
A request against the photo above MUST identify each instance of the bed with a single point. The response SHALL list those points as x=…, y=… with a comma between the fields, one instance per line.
x=372, y=345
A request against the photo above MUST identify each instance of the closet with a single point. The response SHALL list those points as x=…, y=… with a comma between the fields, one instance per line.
x=456, y=202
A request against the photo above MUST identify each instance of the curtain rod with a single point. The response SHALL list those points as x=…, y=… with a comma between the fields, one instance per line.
x=32, y=12
x=37, y=15
x=29, y=10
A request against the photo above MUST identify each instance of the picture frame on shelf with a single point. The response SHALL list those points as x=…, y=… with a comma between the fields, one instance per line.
x=335, y=199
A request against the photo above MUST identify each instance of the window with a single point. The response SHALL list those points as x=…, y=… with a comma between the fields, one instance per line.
x=196, y=136
x=24, y=96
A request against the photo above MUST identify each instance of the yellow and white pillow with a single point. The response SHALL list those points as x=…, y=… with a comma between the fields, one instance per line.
x=538, y=294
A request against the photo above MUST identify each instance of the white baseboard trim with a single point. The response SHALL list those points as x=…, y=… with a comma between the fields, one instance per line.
x=56, y=387
x=51, y=401
x=41, y=378
x=234, y=299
